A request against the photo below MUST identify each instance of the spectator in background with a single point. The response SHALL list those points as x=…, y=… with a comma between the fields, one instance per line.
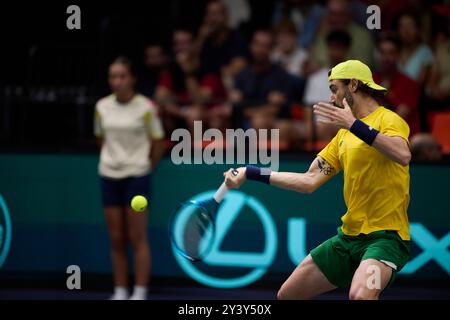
x=338, y=46
x=156, y=61
x=338, y=18
x=425, y=148
x=222, y=50
x=415, y=57
x=317, y=87
x=185, y=90
x=359, y=11
x=262, y=89
x=438, y=87
x=389, y=11
x=403, y=92
x=306, y=16
x=239, y=12
x=130, y=133
x=287, y=53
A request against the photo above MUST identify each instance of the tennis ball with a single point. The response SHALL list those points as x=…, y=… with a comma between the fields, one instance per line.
x=139, y=203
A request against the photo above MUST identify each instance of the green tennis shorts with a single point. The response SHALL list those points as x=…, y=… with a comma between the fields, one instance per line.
x=339, y=257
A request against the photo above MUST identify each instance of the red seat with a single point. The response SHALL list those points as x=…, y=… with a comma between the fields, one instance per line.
x=440, y=129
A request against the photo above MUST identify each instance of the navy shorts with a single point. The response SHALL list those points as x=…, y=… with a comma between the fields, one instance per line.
x=119, y=192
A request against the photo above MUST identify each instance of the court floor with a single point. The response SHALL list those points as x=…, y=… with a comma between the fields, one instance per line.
x=201, y=293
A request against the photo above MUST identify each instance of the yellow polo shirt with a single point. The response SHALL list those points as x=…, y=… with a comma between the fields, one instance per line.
x=376, y=189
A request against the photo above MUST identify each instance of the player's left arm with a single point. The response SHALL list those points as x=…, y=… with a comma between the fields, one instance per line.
x=394, y=147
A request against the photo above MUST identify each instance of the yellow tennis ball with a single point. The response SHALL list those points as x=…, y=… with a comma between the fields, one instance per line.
x=139, y=203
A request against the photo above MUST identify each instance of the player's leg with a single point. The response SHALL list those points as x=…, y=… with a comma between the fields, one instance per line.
x=115, y=220
x=112, y=198
x=306, y=282
x=327, y=267
x=384, y=255
x=137, y=233
x=370, y=279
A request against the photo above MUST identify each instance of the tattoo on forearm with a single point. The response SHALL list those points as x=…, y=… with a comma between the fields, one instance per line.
x=324, y=167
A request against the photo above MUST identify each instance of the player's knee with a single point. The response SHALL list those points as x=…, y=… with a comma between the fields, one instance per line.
x=286, y=294
x=362, y=293
x=290, y=291
x=282, y=294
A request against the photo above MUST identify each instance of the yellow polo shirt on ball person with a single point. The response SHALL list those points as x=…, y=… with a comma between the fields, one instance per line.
x=376, y=189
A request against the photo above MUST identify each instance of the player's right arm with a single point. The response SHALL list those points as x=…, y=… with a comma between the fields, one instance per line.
x=318, y=173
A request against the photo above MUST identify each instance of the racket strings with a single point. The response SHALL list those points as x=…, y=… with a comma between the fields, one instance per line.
x=197, y=234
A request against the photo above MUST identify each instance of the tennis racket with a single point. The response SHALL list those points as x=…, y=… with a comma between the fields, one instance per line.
x=192, y=225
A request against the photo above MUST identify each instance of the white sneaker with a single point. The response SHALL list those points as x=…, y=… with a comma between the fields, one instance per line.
x=139, y=293
x=137, y=297
x=120, y=295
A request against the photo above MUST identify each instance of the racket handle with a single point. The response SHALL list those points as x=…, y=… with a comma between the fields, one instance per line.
x=220, y=193
x=223, y=189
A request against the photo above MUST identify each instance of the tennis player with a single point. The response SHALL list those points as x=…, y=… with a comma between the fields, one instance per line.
x=372, y=150
x=130, y=133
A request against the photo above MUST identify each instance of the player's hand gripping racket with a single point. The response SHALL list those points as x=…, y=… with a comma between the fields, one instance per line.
x=192, y=226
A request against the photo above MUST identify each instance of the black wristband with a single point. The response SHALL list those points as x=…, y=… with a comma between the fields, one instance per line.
x=257, y=174
x=364, y=132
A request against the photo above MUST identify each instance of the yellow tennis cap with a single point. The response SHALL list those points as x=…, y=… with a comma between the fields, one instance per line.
x=354, y=69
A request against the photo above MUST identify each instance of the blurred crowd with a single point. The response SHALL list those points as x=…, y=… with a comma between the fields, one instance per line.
x=271, y=78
